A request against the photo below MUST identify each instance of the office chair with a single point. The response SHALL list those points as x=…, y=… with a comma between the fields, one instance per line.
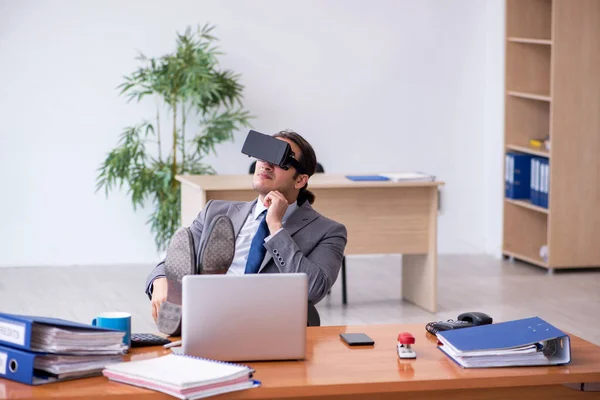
x=313, y=315
x=320, y=169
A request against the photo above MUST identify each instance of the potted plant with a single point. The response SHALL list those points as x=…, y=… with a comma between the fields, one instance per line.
x=204, y=106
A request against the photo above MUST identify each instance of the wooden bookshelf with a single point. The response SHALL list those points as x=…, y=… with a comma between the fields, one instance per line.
x=528, y=70
x=529, y=19
x=553, y=89
x=530, y=96
x=523, y=148
x=527, y=204
x=530, y=41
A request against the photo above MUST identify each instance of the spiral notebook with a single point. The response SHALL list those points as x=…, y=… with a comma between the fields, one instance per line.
x=183, y=376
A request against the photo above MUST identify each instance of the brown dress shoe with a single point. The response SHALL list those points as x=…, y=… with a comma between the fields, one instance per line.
x=180, y=261
x=218, y=249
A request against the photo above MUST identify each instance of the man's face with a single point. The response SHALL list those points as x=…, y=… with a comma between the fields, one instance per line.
x=269, y=177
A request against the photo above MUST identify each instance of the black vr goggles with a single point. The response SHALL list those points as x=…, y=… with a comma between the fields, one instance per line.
x=269, y=149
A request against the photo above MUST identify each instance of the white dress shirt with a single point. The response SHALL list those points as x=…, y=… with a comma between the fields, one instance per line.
x=244, y=239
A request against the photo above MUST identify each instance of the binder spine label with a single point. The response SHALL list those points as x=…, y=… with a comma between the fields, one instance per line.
x=3, y=360
x=11, y=332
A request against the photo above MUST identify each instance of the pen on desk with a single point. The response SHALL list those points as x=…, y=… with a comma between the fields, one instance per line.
x=172, y=344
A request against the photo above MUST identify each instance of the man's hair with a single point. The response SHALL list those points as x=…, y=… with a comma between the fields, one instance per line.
x=307, y=160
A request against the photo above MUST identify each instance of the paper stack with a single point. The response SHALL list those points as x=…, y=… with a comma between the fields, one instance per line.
x=408, y=176
x=76, y=340
x=182, y=376
x=72, y=366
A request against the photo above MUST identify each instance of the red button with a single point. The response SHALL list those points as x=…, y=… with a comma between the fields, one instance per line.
x=406, y=338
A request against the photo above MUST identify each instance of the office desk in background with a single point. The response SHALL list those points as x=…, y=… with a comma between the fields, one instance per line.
x=380, y=216
x=334, y=371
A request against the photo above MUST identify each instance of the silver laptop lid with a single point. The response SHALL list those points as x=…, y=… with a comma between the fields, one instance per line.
x=245, y=317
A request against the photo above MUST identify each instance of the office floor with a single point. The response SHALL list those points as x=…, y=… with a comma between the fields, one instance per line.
x=570, y=300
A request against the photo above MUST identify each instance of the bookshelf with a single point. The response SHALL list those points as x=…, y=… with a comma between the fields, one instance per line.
x=553, y=89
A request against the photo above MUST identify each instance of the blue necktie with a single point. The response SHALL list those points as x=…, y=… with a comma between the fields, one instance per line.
x=257, y=248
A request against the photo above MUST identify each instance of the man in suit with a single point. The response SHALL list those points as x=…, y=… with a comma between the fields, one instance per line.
x=299, y=238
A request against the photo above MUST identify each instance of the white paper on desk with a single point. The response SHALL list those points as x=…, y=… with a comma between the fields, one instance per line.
x=76, y=341
x=61, y=364
x=503, y=360
x=520, y=350
x=514, y=356
x=409, y=176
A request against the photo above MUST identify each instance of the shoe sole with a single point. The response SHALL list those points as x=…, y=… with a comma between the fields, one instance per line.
x=169, y=319
x=180, y=258
x=218, y=250
x=179, y=262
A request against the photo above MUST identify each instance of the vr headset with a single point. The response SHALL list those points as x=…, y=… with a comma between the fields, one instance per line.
x=269, y=149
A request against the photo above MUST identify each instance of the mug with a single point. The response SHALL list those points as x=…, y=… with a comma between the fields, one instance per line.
x=120, y=321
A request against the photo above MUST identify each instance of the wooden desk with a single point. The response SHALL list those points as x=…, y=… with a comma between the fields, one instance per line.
x=334, y=371
x=381, y=217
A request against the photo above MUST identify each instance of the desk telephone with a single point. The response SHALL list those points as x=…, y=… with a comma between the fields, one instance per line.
x=464, y=320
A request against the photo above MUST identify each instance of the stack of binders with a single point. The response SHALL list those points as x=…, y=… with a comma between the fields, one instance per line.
x=37, y=350
x=517, y=175
x=527, y=178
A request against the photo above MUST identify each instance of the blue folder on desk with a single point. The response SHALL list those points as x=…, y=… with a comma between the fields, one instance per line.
x=32, y=368
x=361, y=178
x=18, y=330
x=523, y=342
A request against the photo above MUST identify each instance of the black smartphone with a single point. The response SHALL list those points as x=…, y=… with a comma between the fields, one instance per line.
x=357, y=339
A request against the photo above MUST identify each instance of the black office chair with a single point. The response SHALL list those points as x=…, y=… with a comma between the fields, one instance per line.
x=313, y=315
x=320, y=169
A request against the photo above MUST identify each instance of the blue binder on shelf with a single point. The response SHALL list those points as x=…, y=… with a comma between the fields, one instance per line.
x=517, y=175
x=523, y=342
x=540, y=181
x=545, y=181
x=17, y=330
x=533, y=181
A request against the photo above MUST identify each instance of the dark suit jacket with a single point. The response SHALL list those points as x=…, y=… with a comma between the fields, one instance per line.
x=309, y=243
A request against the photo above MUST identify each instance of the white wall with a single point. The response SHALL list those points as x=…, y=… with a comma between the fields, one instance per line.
x=374, y=86
x=494, y=125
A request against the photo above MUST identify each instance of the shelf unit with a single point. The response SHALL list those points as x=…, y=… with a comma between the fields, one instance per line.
x=553, y=89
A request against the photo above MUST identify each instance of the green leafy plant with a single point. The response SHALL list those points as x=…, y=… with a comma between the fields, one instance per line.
x=204, y=105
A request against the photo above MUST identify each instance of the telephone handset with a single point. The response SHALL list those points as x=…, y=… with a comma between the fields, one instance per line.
x=464, y=320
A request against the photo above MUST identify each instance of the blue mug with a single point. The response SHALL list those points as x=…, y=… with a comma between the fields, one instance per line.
x=120, y=321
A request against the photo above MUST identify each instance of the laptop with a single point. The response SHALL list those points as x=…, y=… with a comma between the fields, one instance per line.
x=245, y=317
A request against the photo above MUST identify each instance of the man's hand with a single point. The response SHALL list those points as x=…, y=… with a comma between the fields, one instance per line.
x=159, y=294
x=277, y=205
